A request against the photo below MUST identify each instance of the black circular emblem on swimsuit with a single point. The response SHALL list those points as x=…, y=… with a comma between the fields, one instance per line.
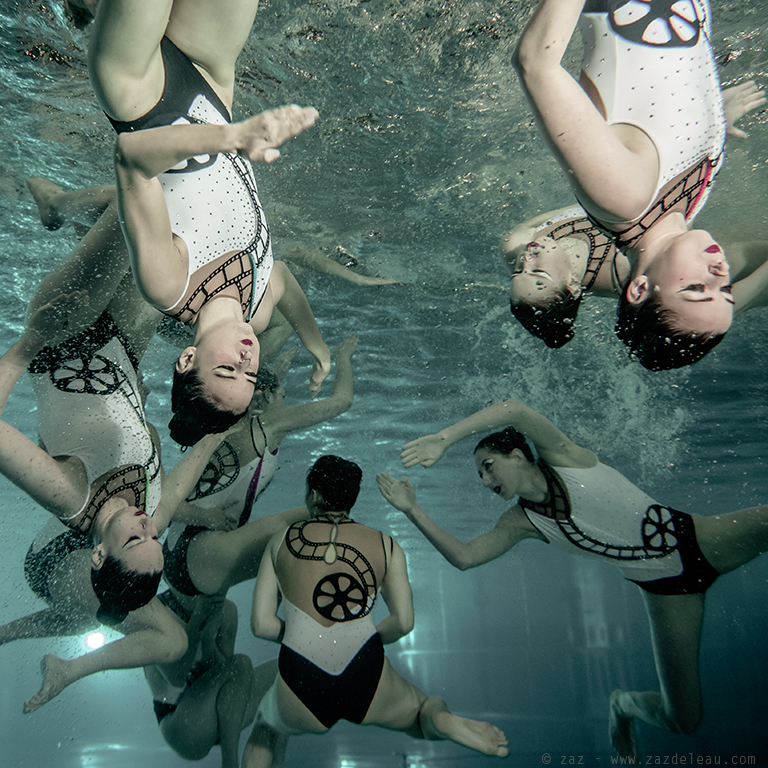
x=658, y=23
x=95, y=376
x=339, y=597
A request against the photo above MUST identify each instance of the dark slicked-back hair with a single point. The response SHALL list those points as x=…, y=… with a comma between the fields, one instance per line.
x=337, y=481
x=121, y=590
x=505, y=442
x=553, y=322
x=194, y=415
x=649, y=332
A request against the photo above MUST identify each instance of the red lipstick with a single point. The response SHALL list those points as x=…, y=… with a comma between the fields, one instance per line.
x=713, y=249
x=247, y=342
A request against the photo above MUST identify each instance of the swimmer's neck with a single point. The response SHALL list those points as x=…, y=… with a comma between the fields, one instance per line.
x=220, y=310
x=655, y=241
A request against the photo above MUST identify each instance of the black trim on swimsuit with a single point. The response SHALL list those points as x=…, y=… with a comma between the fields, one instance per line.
x=688, y=187
x=698, y=573
x=163, y=709
x=331, y=698
x=557, y=505
x=175, y=569
x=222, y=469
x=82, y=347
x=38, y=566
x=355, y=597
x=183, y=84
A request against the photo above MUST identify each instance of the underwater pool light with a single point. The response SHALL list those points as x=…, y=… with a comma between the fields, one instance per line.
x=95, y=640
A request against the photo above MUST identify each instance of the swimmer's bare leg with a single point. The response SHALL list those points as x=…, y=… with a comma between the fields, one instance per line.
x=307, y=256
x=57, y=207
x=437, y=722
x=614, y=167
x=676, y=622
x=96, y=266
x=265, y=748
x=399, y=705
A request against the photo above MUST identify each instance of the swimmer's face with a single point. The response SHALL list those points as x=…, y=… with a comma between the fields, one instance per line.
x=541, y=274
x=692, y=279
x=500, y=471
x=226, y=359
x=128, y=535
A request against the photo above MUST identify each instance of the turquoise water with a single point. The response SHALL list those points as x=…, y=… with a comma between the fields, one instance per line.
x=424, y=156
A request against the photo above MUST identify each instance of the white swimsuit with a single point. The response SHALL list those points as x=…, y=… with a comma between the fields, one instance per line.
x=658, y=73
x=89, y=406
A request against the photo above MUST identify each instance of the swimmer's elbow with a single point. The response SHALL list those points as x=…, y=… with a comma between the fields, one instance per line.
x=174, y=646
x=127, y=159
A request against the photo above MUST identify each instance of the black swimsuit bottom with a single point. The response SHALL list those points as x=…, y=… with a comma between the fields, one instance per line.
x=331, y=698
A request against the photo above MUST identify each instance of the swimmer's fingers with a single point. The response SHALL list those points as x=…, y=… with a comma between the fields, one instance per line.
x=425, y=450
x=738, y=100
x=320, y=372
x=401, y=495
x=260, y=136
x=54, y=682
x=347, y=347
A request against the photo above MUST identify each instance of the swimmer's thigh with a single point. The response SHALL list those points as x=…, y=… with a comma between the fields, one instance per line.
x=396, y=703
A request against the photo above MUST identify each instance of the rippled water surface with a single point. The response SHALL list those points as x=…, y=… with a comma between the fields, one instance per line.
x=424, y=156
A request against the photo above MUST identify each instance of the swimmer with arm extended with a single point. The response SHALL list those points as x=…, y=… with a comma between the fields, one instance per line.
x=618, y=139
x=569, y=498
x=327, y=594
x=164, y=74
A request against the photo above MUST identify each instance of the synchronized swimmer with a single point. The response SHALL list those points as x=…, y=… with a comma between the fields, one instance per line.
x=183, y=233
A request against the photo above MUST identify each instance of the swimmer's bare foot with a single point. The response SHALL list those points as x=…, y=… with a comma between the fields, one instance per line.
x=621, y=729
x=54, y=682
x=47, y=196
x=438, y=723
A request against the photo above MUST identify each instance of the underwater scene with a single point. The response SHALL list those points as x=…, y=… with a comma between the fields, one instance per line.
x=424, y=155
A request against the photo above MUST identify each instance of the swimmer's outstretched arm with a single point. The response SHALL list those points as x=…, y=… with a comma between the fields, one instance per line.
x=152, y=636
x=510, y=529
x=157, y=256
x=265, y=622
x=552, y=444
x=616, y=167
x=397, y=594
x=290, y=299
x=280, y=421
x=181, y=480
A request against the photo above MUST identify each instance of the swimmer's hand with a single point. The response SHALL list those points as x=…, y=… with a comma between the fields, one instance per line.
x=259, y=137
x=52, y=323
x=425, y=450
x=738, y=100
x=347, y=347
x=56, y=678
x=282, y=363
x=320, y=371
x=401, y=495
